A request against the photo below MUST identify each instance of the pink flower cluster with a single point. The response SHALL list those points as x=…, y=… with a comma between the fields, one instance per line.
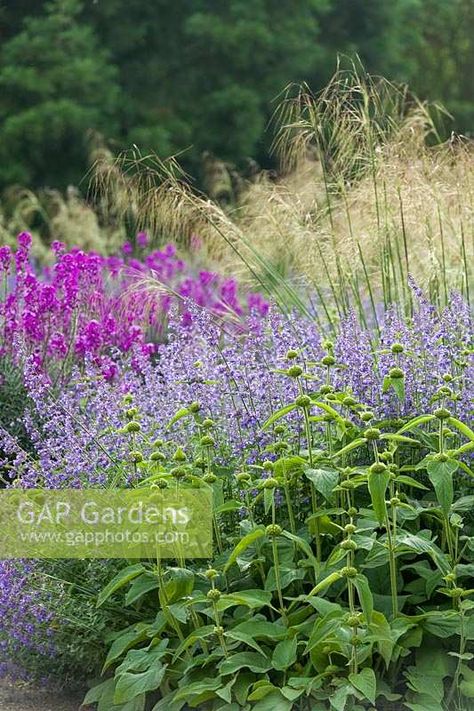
x=90, y=306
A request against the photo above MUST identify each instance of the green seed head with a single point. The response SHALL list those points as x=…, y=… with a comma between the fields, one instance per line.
x=347, y=484
x=157, y=457
x=372, y=433
x=378, y=468
x=214, y=595
x=350, y=528
x=209, y=478
x=292, y=354
x=352, y=511
x=448, y=378
x=268, y=465
x=131, y=413
x=162, y=484
x=303, y=401
x=208, y=423
x=349, y=401
x=396, y=373
x=273, y=530
x=219, y=630
x=295, y=371
x=179, y=455
x=280, y=446
x=242, y=477
x=354, y=620
x=328, y=361
x=325, y=389
x=348, y=545
x=270, y=483
x=157, y=444
x=349, y=571
x=366, y=416
x=132, y=427
x=179, y=472
x=207, y=441
x=442, y=413
x=194, y=407
x=211, y=574
x=136, y=457
x=395, y=501
x=397, y=348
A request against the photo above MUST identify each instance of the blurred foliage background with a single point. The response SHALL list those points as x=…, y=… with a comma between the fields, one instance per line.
x=196, y=76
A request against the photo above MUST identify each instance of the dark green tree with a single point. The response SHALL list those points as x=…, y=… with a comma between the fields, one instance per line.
x=56, y=84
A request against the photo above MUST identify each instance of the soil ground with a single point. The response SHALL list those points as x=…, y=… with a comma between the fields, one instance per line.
x=18, y=696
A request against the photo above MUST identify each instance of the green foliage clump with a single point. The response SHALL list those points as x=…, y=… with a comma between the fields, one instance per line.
x=341, y=573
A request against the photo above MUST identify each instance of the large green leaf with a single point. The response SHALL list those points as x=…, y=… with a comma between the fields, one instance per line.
x=141, y=586
x=119, y=580
x=284, y=654
x=254, y=661
x=324, y=480
x=441, y=476
x=129, y=684
x=279, y=414
x=243, y=544
x=378, y=483
x=365, y=595
x=365, y=682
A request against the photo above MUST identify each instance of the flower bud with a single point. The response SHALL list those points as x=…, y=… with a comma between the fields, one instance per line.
x=208, y=423
x=194, y=407
x=279, y=429
x=179, y=472
x=395, y=501
x=280, y=446
x=292, y=354
x=162, y=484
x=157, y=444
x=268, y=465
x=348, y=545
x=350, y=528
x=352, y=511
x=211, y=574
x=328, y=360
x=219, y=630
x=131, y=413
x=157, y=457
x=295, y=371
x=366, y=416
x=448, y=378
x=325, y=389
x=136, y=457
x=354, y=620
x=209, y=478
x=207, y=441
